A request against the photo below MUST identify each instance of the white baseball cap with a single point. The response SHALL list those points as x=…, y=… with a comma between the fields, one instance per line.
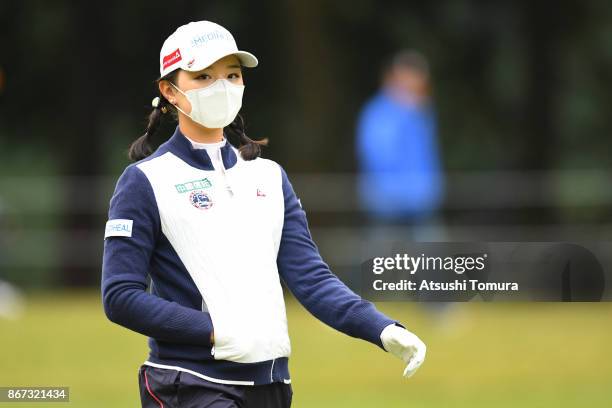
x=198, y=45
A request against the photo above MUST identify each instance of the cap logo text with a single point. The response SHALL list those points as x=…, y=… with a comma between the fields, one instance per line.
x=172, y=58
x=202, y=39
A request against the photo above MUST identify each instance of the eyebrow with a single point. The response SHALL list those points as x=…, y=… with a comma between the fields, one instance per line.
x=229, y=66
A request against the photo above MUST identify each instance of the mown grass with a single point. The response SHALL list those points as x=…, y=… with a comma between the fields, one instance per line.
x=479, y=355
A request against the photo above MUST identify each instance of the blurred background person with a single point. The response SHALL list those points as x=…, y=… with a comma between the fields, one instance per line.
x=401, y=181
x=11, y=299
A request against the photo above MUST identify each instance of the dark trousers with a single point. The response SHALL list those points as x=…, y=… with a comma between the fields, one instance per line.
x=166, y=388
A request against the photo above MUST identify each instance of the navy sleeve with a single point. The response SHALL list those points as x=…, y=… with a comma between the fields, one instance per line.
x=125, y=267
x=315, y=286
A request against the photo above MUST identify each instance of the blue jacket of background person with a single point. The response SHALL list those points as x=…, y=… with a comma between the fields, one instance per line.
x=399, y=164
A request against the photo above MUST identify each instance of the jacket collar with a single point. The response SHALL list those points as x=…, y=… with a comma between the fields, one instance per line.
x=180, y=146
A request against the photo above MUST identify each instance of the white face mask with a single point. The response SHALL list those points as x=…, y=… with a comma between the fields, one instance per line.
x=214, y=106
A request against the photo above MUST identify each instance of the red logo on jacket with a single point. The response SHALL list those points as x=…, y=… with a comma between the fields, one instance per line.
x=172, y=58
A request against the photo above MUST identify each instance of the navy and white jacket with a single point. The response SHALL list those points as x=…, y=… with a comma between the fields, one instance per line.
x=216, y=258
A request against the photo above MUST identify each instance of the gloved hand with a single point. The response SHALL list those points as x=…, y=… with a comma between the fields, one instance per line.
x=405, y=345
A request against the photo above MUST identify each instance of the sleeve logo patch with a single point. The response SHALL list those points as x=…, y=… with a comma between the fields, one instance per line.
x=118, y=228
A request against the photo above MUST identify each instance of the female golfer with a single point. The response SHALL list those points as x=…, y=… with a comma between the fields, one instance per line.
x=216, y=228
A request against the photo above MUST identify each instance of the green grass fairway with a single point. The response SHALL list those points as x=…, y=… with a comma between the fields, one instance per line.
x=479, y=355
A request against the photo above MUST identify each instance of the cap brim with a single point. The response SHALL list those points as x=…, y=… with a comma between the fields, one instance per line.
x=246, y=59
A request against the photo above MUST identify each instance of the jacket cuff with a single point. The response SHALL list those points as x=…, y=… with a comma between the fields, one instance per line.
x=379, y=328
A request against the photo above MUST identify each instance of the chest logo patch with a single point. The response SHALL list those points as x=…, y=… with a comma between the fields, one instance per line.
x=193, y=185
x=200, y=200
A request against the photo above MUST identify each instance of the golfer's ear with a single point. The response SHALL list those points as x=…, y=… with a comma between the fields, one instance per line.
x=167, y=90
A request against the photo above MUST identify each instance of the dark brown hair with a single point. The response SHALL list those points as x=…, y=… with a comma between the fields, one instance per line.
x=141, y=147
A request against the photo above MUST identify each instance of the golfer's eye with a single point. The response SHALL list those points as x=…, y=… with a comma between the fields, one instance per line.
x=234, y=75
x=203, y=76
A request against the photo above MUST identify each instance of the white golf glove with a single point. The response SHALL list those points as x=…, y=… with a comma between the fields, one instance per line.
x=404, y=345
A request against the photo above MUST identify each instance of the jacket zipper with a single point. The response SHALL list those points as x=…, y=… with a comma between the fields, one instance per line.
x=225, y=178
